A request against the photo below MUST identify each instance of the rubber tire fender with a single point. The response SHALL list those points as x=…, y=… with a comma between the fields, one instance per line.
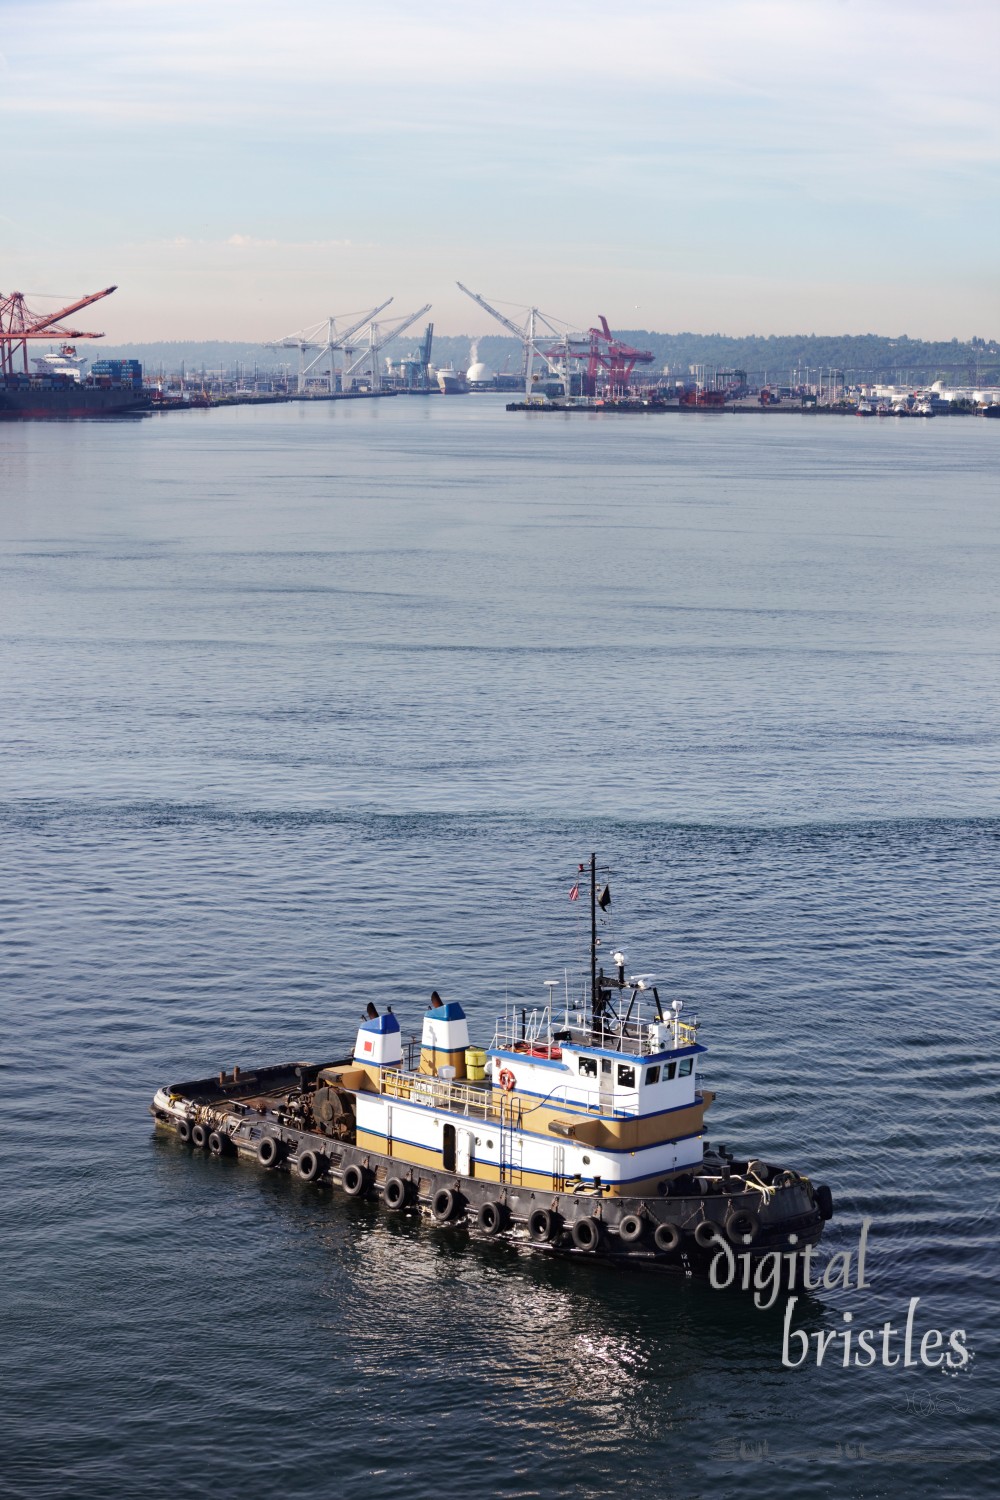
x=824, y=1201
x=199, y=1136
x=544, y=1226
x=310, y=1165
x=356, y=1180
x=707, y=1233
x=492, y=1218
x=742, y=1226
x=631, y=1229
x=444, y=1205
x=667, y=1238
x=269, y=1151
x=396, y=1193
x=184, y=1131
x=218, y=1143
x=586, y=1233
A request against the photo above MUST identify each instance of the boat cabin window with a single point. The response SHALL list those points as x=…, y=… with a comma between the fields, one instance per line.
x=653, y=1074
x=605, y=1065
x=587, y=1067
x=669, y=1070
x=687, y=1064
x=626, y=1076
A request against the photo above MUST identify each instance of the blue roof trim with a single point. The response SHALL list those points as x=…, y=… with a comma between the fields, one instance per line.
x=578, y=1051
x=383, y=1025
x=450, y=1012
x=631, y=1057
x=525, y=1057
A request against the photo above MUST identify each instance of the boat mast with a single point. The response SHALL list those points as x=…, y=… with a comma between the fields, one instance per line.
x=594, y=1003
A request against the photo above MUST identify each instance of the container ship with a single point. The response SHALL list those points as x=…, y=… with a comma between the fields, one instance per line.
x=58, y=388
x=578, y=1131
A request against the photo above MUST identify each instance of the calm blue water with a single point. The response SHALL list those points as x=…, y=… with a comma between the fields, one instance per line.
x=303, y=707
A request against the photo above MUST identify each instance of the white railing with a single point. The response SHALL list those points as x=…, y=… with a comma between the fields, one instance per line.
x=440, y=1093
x=486, y=1103
x=521, y=1029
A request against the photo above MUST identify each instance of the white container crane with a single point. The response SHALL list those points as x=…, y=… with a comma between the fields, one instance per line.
x=336, y=338
x=535, y=324
x=379, y=335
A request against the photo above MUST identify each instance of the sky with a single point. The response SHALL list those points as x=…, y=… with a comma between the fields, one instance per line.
x=242, y=168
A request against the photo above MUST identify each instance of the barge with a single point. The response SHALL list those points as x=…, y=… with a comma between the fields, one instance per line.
x=578, y=1131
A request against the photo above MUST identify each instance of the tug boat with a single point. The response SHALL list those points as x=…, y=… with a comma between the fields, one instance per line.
x=579, y=1131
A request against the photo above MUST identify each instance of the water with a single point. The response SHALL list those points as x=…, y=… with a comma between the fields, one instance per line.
x=303, y=707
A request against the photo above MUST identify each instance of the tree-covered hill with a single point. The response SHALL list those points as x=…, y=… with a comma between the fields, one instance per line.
x=868, y=356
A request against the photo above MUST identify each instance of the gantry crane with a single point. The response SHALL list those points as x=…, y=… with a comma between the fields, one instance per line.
x=528, y=335
x=380, y=334
x=617, y=358
x=18, y=324
x=310, y=338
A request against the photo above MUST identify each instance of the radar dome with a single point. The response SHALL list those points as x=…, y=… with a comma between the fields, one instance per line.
x=479, y=374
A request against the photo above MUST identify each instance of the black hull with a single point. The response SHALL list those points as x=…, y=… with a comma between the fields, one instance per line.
x=26, y=403
x=682, y=1233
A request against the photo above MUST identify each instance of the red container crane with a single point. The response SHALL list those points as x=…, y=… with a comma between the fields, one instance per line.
x=18, y=324
x=605, y=354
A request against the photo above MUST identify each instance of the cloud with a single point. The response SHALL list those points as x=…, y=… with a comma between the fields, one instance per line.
x=503, y=142
x=251, y=242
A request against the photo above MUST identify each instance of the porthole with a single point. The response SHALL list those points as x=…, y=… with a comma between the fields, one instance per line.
x=489, y=1145
x=586, y=1161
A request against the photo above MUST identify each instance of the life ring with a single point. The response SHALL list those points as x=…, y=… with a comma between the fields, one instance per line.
x=506, y=1080
x=310, y=1165
x=824, y=1201
x=355, y=1180
x=742, y=1226
x=218, y=1143
x=667, y=1238
x=492, y=1218
x=544, y=1225
x=184, y=1131
x=586, y=1233
x=631, y=1229
x=269, y=1152
x=199, y=1136
x=396, y=1192
x=707, y=1234
x=444, y=1205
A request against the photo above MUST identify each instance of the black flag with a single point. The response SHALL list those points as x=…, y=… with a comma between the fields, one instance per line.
x=604, y=899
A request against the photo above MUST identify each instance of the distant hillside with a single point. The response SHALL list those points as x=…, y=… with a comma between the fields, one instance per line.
x=859, y=356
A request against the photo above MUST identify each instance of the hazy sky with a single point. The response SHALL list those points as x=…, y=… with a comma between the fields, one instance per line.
x=242, y=168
